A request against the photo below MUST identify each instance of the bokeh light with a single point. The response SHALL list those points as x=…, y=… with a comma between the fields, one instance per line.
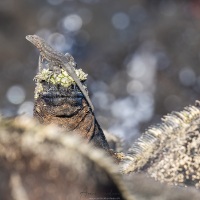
x=72, y=22
x=120, y=20
x=26, y=108
x=187, y=77
x=16, y=94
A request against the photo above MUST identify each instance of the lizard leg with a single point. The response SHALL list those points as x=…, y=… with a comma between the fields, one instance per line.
x=40, y=63
x=50, y=67
x=42, y=58
x=71, y=60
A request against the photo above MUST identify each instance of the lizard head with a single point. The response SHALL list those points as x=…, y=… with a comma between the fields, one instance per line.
x=35, y=40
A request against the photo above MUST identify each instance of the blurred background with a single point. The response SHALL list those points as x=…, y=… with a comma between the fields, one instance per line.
x=142, y=56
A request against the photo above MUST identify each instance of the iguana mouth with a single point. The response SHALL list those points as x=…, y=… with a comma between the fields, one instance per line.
x=58, y=95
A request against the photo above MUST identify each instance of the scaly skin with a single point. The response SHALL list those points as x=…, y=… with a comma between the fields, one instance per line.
x=59, y=59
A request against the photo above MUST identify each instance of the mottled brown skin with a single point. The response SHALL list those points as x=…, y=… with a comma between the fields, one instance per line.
x=68, y=109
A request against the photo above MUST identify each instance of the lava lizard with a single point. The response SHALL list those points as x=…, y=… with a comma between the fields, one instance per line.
x=59, y=59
